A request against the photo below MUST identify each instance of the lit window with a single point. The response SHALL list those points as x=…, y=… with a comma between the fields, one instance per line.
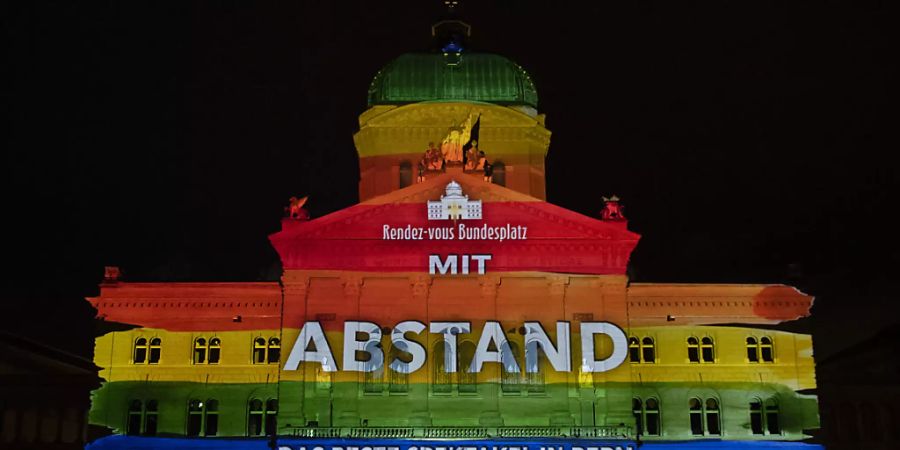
x=274, y=351
x=752, y=350
x=706, y=350
x=155, y=350
x=704, y=417
x=140, y=351
x=199, y=351
x=693, y=348
x=766, y=350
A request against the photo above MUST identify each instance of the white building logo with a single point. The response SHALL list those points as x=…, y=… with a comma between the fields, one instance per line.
x=454, y=205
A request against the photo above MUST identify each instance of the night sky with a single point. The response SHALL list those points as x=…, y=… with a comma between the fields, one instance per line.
x=750, y=141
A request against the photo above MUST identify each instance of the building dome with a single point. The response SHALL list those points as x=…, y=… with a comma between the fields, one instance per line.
x=465, y=76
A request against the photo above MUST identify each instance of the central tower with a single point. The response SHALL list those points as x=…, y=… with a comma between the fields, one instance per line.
x=430, y=99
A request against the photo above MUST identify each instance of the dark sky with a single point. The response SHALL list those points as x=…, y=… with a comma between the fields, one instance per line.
x=750, y=141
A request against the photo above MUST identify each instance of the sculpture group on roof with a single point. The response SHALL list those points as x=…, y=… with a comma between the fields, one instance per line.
x=459, y=146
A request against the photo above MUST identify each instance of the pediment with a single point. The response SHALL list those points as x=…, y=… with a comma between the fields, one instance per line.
x=552, y=238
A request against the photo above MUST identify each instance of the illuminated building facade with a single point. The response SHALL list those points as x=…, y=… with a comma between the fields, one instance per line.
x=393, y=320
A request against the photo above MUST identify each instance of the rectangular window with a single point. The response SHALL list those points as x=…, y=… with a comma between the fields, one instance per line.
x=693, y=354
x=707, y=354
x=652, y=423
x=212, y=424
x=194, y=424
x=772, y=423
x=712, y=423
x=696, y=423
x=150, y=424
x=134, y=423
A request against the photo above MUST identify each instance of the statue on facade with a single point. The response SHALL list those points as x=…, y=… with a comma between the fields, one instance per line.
x=296, y=210
x=612, y=210
x=457, y=137
x=433, y=160
x=474, y=157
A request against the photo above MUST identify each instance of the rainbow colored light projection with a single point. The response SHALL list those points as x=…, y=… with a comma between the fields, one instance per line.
x=386, y=325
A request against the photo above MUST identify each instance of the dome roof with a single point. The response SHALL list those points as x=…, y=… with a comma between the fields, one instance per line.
x=482, y=77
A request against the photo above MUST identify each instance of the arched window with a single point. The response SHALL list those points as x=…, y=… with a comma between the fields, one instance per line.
x=752, y=350
x=215, y=350
x=648, y=350
x=272, y=416
x=274, y=351
x=510, y=380
x=713, y=422
x=199, y=351
x=255, y=417
x=259, y=350
x=441, y=380
x=211, y=418
x=155, y=350
x=651, y=417
x=468, y=381
x=373, y=380
x=760, y=350
x=398, y=383
x=766, y=349
x=704, y=417
x=140, y=351
x=151, y=418
x=534, y=381
x=707, y=352
x=773, y=424
x=135, y=413
x=405, y=174
x=643, y=350
x=195, y=418
x=756, y=415
x=693, y=348
x=696, y=412
x=634, y=350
